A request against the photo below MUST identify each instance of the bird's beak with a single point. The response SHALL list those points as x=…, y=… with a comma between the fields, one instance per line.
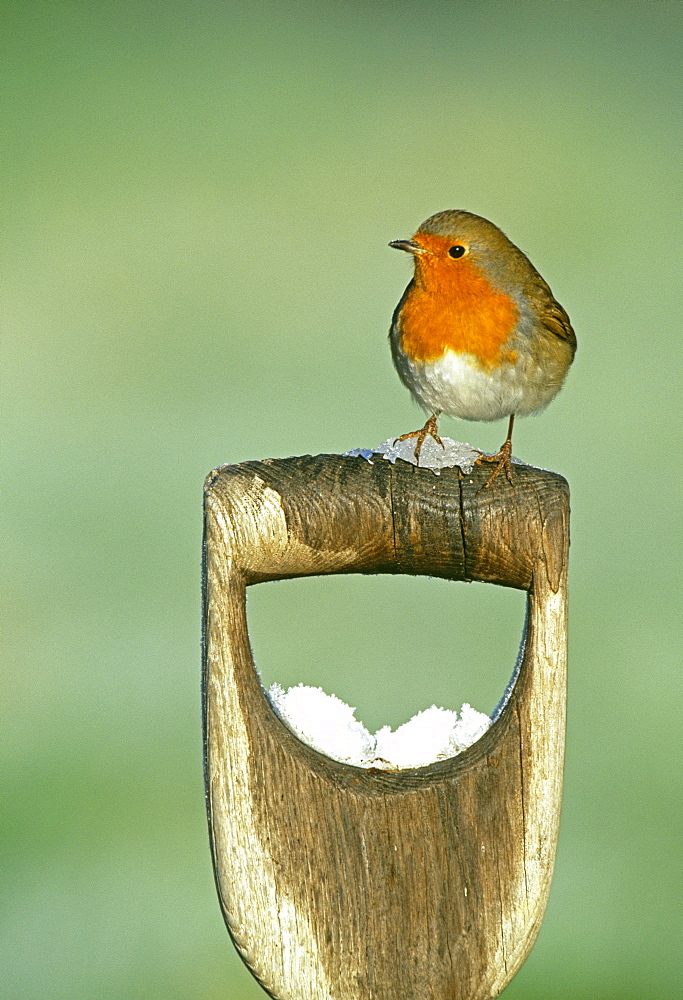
x=410, y=246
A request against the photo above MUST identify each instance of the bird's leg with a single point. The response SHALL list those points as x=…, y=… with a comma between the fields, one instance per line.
x=429, y=430
x=503, y=458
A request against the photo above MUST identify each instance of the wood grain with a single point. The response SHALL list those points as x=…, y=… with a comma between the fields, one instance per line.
x=336, y=882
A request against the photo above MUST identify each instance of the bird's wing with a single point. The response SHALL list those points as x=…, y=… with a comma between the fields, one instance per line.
x=553, y=316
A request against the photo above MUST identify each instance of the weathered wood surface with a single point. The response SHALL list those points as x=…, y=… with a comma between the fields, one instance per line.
x=344, y=884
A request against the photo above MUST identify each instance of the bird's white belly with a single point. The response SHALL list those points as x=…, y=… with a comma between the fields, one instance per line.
x=458, y=385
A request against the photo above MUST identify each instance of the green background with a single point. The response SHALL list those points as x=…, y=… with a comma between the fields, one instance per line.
x=197, y=203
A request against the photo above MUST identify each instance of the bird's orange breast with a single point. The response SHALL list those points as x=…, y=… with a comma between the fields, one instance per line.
x=453, y=306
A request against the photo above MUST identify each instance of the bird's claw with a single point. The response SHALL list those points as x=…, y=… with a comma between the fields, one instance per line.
x=504, y=462
x=429, y=430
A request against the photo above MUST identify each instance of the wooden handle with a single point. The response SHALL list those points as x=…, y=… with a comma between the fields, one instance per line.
x=338, y=882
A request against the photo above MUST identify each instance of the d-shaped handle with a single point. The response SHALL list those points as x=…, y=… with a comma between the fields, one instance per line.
x=339, y=883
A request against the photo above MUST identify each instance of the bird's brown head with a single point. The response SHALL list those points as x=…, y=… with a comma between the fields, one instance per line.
x=453, y=248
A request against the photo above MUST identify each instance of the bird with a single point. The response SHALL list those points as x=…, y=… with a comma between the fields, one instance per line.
x=477, y=334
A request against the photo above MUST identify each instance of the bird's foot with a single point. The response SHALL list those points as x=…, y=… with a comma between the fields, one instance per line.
x=504, y=463
x=429, y=430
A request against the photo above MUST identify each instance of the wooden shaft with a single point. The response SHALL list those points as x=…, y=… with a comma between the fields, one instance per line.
x=338, y=882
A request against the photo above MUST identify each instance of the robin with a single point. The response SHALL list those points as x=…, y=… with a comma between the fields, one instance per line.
x=477, y=334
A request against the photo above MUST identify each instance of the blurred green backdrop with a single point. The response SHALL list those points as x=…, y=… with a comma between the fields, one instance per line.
x=197, y=200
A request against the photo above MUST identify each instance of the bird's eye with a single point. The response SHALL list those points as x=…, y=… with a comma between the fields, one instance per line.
x=457, y=251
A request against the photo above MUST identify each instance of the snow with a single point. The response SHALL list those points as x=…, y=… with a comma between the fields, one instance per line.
x=329, y=725
x=432, y=455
